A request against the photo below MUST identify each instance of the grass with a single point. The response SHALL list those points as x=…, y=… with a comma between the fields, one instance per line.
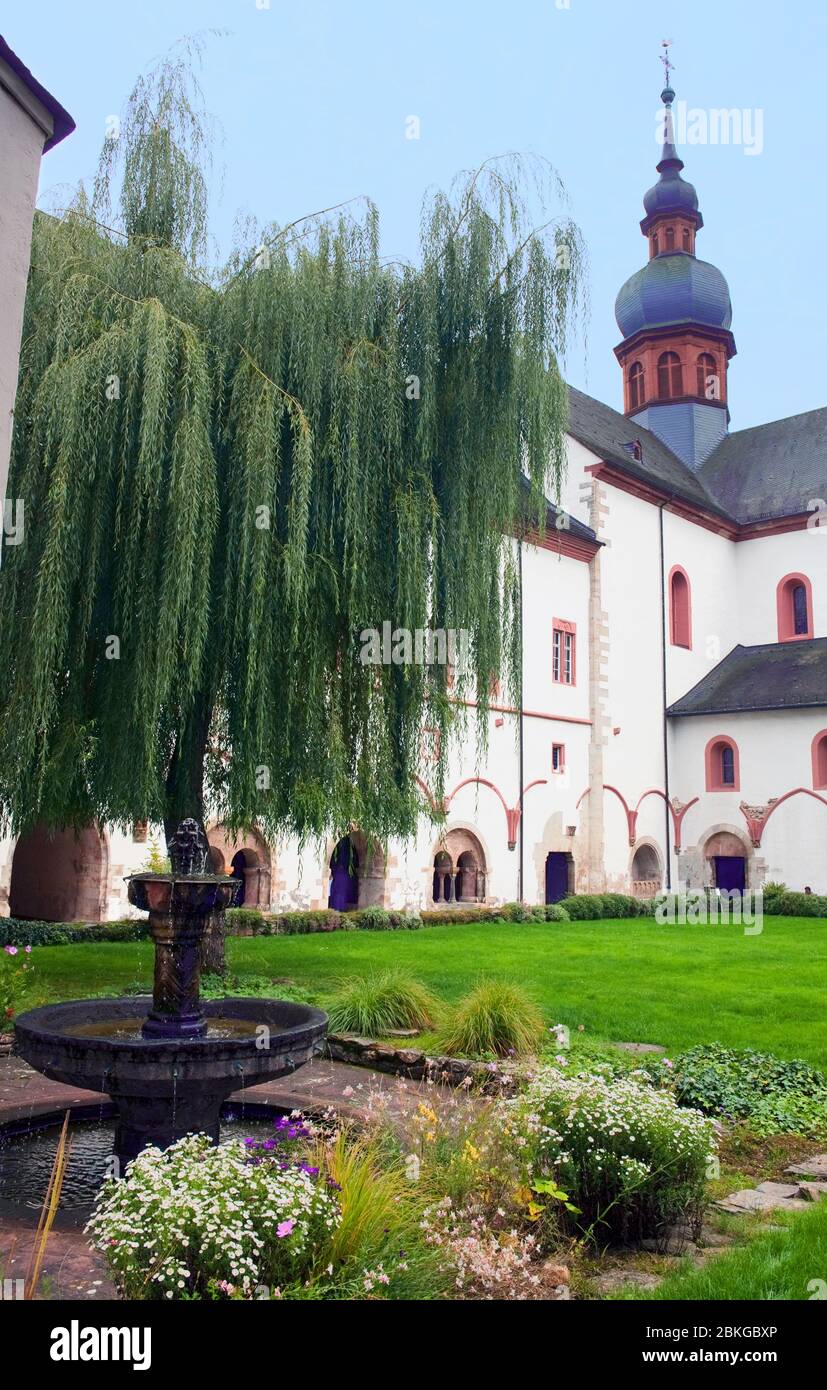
x=632, y=980
x=788, y=1263
x=374, y=1005
x=496, y=1018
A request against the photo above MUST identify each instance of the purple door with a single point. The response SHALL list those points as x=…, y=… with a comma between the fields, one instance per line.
x=344, y=877
x=557, y=877
x=731, y=872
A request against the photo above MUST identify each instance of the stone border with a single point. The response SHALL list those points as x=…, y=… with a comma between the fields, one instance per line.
x=485, y=1078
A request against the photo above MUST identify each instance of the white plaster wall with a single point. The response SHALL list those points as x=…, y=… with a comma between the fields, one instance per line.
x=775, y=757
x=21, y=145
x=761, y=563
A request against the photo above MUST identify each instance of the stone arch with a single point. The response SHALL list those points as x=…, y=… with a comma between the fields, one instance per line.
x=367, y=860
x=60, y=876
x=697, y=865
x=247, y=857
x=556, y=840
x=645, y=869
x=460, y=868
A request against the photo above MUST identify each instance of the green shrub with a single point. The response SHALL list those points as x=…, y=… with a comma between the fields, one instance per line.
x=453, y=916
x=795, y=905
x=630, y=1158
x=619, y=905
x=299, y=923
x=775, y=1096
x=245, y=921
x=14, y=932
x=253, y=987
x=555, y=912
x=583, y=907
x=495, y=1018
x=383, y=919
x=374, y=1005
x=772, y=889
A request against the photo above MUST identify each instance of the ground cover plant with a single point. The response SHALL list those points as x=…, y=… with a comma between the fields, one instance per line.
x=772, y=1095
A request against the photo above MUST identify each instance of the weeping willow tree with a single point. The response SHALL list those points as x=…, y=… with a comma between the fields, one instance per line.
x=229, y=476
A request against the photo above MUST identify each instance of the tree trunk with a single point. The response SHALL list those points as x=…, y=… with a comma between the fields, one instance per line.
x=185, y=797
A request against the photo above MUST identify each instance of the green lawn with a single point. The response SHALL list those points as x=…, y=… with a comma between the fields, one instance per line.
x=778, y=1264
x=627, y=980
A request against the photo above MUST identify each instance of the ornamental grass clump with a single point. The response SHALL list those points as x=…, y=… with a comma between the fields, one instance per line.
x=374, y=1005
x=205, y=1221
x=631, y=1159
x=495, y=1018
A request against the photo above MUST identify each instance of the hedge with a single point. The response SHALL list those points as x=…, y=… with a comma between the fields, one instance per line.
x=795, y=905
x=14, y=932
x=250, y=921
x=507, y=912
x=591, y=907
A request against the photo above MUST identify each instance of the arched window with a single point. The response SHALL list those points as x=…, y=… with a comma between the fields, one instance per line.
x=794, y=603
x=636, y=385
x=655, y=245
x=670, y=238
x=707, y=368
x=670, y=376
x=686, y=239
x=680, y=608
x=723, y=773
x=820, y=761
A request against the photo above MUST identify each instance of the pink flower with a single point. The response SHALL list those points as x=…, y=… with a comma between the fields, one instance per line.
x=28, y=950
x=11, y=950
x=284, y=1228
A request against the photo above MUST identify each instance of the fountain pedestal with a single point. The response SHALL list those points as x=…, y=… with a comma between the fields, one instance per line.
x=169, y=1065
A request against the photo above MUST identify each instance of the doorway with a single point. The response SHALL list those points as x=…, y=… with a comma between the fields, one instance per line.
x=557, y=876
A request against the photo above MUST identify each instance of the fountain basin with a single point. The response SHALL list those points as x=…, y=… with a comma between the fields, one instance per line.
x=164, y=1087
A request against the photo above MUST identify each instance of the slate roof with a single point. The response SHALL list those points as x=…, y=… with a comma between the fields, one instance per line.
x=605, y=431
x=771, y=470
x=776, y=675
x=63, y=123
x=570, y=525
x=756, y=474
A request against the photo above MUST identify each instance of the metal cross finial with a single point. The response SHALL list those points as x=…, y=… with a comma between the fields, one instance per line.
x=664, y=57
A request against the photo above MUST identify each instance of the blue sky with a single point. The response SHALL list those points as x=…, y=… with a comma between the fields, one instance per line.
x=312, y=97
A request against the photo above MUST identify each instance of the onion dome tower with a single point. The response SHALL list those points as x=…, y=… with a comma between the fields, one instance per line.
x=675, y=317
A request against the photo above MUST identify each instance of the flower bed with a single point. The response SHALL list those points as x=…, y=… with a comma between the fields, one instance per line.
x=204, y=1221
x=631, y=1159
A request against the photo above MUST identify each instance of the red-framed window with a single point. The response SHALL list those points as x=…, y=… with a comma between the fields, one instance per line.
x=635, y=385
x=723, y=770
x=558, y=757
x=680, y=608
x=670, y=376
x=794, y=604
x=563, y=652
x=820, y=761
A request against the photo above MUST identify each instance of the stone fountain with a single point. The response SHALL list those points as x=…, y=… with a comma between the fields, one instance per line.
x=171, y=1062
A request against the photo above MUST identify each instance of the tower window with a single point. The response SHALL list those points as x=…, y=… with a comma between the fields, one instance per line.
x=708, y=380
x=636, y=385
x=670, y=238
x=722, y=769
x=794, y=602
x=558, y=757
x=655, y=244
x=670, y=376
x=686, y=239
x=680, y=609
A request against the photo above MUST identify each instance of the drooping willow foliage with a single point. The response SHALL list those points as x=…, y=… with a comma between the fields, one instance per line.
x=227, y=478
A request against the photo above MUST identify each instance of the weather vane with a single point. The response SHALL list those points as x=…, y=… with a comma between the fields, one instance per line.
x=664, y=57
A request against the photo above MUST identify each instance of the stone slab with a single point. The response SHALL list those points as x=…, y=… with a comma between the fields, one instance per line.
x=815, y=1167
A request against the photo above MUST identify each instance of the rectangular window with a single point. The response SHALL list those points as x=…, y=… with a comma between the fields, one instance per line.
x=558, y=757
x=563, y=665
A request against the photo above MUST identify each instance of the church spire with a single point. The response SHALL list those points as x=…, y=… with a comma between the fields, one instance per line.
x=675, y=316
